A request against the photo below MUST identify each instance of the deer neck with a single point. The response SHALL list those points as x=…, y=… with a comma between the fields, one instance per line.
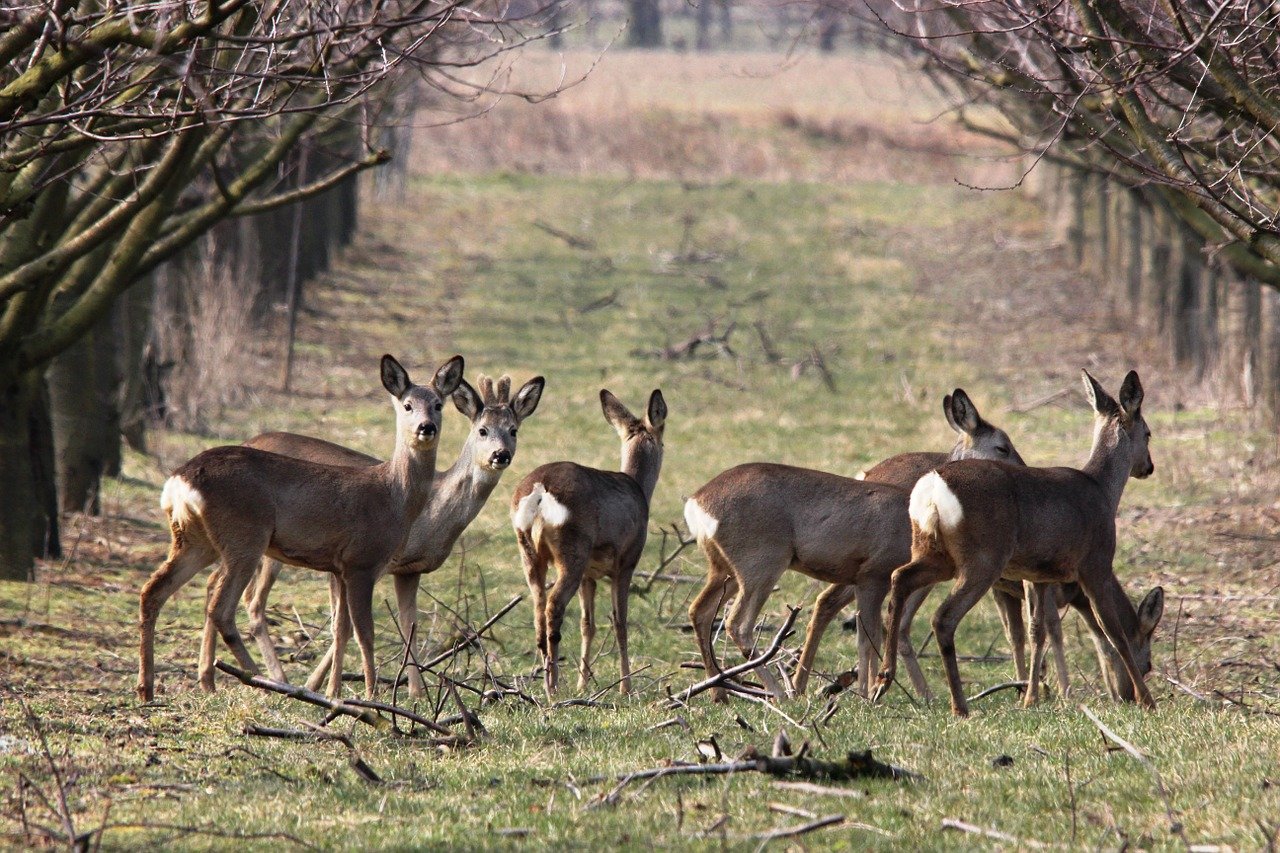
x=1109, y=461
x=464, y=483
x=642, y=461
x=412, y=473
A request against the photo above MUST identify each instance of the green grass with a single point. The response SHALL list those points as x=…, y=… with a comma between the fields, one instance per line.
x=458, y=265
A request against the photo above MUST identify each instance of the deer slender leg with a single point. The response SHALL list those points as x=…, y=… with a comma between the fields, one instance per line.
x=359, y=586
x=828, y=605
x=870, y=629
x=1011, y=617
x=740, y=623
x=920, y=574
x=1039, y=600
x=1053, y=622
x=407, y=608
x=974, y=581
x=587, y=597
x=337, y=607
x=238, y=569
x=256, y=603
x=186, y=558
x=1108, y=613
x=570, y=567
x=621, y=594
x=535, y=575
x=907, y=649
x=720, y=587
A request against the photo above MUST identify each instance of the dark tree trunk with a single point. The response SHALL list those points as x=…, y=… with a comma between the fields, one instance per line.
x=21, y=505
x=645, y=29
x=1251, y=344
x=1188, y=348
x=726, y=22
x=828, y=28
x=555, y=17
x=1133, y=249
x=45, y=539
x=136, y=325
x=77, y=426
x=108, y=360
x=703, y=39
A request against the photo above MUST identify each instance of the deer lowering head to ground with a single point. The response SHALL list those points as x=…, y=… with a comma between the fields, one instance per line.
x=457, y=496
x=976, y=521
x=591, y=524
x=757, y=520
x=977, y=439
x=235, y=504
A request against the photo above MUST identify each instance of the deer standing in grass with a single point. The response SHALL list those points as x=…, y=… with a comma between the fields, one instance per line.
x=592, y=525
x=977, y=521
x=237, y=504
x=457, y=496
x=755, y=521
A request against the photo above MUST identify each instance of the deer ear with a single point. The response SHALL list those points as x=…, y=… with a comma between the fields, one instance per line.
x=448, y=376
x=1150, y=610
x=467, y=400
x=657, y=412
x=394, y=377
x=1099, y=399
x=963, y=416
x=527, y=398
x=946, y=412
x=1131, y=394
x=616, y=413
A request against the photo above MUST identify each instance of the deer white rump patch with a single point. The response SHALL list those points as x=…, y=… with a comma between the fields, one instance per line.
x=181, y=501
x=934, y=506
x=701, y=524
x=539, y=503
x=861, y=475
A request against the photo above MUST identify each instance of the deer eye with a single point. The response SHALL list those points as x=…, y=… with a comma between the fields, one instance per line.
x=484, y=433
x=513, y=432
x=408, y=407
x=439, y=406
x=1003, y=451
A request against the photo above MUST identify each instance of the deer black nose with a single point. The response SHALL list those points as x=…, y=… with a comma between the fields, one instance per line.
x=427, y=430
x=500, y=457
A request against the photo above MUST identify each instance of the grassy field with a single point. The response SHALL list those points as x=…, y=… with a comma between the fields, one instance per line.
x=907, y=289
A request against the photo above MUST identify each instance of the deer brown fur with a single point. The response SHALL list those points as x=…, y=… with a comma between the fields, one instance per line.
x=591, y=525
x=977, y=521
x=235, y=504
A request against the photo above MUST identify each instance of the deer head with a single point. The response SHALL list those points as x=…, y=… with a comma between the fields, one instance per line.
x=419, y=407
x=1119, y=685
x=1123, y=421
x=641, y=439
x=495, y=417
x=978, y=438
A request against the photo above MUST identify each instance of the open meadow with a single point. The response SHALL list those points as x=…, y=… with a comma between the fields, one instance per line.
x=807, y=211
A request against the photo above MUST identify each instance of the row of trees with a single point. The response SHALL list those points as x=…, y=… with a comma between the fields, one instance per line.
x=130, y=132
x=1176, y=103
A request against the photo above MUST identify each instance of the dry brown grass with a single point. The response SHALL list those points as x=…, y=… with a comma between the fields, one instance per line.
x=694, y=117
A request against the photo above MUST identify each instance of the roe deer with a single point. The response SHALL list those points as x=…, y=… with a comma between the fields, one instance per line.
x=592, y=524
x=457, y=496
x=238, y=503
x=977, y=521
x=757, y=520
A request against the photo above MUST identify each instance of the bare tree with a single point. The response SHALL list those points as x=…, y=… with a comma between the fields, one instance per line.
x=1180, y=98
x=128, y=130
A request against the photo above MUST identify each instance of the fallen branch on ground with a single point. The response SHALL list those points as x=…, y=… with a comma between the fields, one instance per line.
x=857, y=765
x=952, y=823
x=571, y=240
x=722, y=679
x=462, y=644
x=793, y=831
x=1021, y=685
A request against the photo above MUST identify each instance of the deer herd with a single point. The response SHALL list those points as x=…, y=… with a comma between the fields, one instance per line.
x=1038, y=539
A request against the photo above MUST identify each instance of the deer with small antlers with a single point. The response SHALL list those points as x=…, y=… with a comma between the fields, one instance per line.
x=237, y=504
x=592, y=525
x=457, y=496
x=755, y=521
x=977, y=521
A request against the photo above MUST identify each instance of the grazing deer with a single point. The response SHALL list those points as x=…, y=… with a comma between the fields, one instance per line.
x=236, y=504
x=592, y=524
x=977, y=521
x=755, y=521
x=457, y=496
x=978, y=439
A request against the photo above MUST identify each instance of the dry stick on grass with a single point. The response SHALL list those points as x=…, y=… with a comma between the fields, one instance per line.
x=1175, y=826
x=603, y=302
x=857, y=765
x=1006, y=685
x=359, y=709
x=586, y=244
x=771, y=353
x=722, y=679
x=997, y=835
x=815, y=360
x=363, y=770
x=475, y=635
x=212, y=832
x=802, y=829
x=666, y=559
x=1042, y=401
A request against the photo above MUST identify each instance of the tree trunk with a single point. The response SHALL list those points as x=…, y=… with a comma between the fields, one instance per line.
x=1133, y=250
x=73, y=403
x=1251, y=341
x=1076, y=234
x=726, y=22
x=1188, y=349
x=1271, y=354
x=645, y=29
x=21, y=506
x=108, y=357
x=45, y=539
x=136, y=304
x=703, y=39
x=828, y=28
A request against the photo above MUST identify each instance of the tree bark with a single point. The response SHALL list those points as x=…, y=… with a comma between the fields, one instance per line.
x=1133, y=249
x=705, y=11
x=107, y=366
x=1251, y=342
x=17, y=528
x=77, y=426
x=136, y=329
x=645, y=29
x=1188, y=348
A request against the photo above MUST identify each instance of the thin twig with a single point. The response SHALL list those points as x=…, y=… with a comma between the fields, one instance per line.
x=792, y=831
x=952, y=823
x=723, y=676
